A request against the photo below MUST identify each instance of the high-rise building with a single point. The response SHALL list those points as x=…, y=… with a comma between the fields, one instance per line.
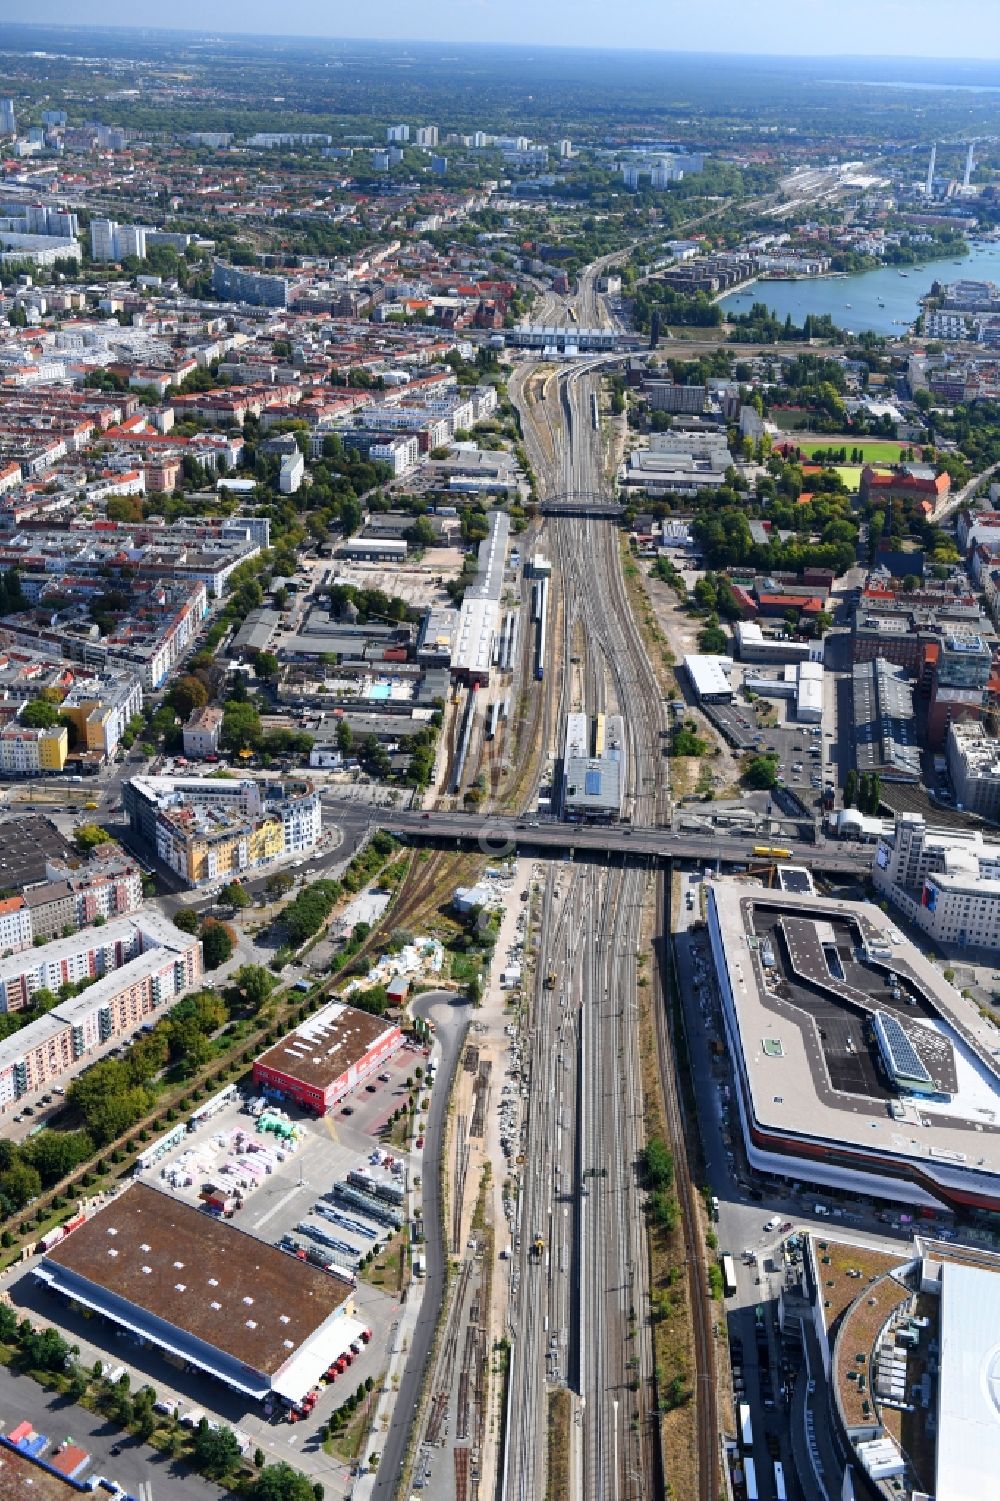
x=8, y=118
x=970, y=162
x=929, y=184
x=396, y=133
x=103, y=240
x=131, y=240
x=427, y=135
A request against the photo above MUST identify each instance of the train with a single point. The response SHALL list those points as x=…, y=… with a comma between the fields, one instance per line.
x=772, y=852
x=595, y=411
x=464, y=737
x=541, y=615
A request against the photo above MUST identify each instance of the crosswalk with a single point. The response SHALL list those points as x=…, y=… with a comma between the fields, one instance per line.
x=145, y=1492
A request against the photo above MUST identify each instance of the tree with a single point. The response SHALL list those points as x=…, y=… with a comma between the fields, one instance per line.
x=217, y=943
x=281, y=1483
x=19, y=1184
x=235, y=895
x=345, y=737
x=187, y=694
x=39, y=715
x=760, y=772
x=186, y=919
x=89, y=835
x=255, y=982
x=266, y=665
x=850, y=788
x=215, y=1450
x=241, y=727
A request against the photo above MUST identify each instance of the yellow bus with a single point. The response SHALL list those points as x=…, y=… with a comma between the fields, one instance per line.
x=772, y=852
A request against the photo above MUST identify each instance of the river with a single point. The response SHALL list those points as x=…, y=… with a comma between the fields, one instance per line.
x=881, y=300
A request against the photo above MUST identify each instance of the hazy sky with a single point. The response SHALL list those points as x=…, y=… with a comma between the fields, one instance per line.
x=906, y=28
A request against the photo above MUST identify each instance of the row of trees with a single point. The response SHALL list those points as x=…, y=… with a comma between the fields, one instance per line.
x=864, y=792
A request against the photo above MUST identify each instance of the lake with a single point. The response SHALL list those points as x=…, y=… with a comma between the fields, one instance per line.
x=881, y=300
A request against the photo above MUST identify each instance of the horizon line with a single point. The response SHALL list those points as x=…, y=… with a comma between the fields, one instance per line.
x=140, y=28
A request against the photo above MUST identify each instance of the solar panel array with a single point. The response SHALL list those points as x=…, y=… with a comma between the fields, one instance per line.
x=902, y=1056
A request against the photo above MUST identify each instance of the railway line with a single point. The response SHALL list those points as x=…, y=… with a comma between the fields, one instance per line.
x=579, y=1317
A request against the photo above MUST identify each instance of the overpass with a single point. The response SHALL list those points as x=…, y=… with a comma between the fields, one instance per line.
x=498, y=837
x=561, y=337
x=583, y=503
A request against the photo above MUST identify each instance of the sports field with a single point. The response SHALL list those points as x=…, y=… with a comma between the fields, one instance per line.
x=873, y=450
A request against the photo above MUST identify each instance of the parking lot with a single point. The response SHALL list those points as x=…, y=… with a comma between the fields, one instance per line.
x=281, y=1168
x=803, y=750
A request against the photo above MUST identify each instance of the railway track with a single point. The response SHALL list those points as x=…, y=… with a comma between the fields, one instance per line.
x=706, y=1406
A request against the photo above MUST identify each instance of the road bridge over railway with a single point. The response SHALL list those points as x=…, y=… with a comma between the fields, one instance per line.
x=583, y=503
x=497, y=836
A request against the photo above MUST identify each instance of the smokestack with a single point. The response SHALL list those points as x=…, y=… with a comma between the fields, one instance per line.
x=969, y=164
x=930, y=170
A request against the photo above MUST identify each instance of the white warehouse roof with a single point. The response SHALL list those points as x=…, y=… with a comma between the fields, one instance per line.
x=710, y=676
x=968, y=1446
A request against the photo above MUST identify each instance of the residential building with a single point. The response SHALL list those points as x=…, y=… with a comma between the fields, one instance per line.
x=201, y=733
x=946, y=881
x=292, y=473
x=234, y=284
x=15, y=925
x=101, y=709
x=27, y=752
x=85, y=955
x=209, y=829
x=74, y=895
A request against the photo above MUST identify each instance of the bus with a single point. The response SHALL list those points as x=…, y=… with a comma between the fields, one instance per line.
x=746, y=1427
x=779, y=1481
x=750, y=1480
x=772, y=852
x=729, y=1276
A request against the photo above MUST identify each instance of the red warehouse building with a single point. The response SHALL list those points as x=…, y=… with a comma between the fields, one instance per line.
x=324, y=1058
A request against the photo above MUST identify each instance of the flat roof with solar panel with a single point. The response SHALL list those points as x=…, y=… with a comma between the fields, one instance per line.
x=902, y=1062
x=858, y=1066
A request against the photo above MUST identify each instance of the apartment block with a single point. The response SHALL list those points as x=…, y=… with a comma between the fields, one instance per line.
x=27, y=752
x=209, y=829
x=158, y=969
x=100, y=709
x=201, y=733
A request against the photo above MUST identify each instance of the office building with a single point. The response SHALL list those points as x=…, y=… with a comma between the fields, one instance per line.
x=804, y=979
x=974, y=767
x=8, y=118
x=234, y=284
x=327, y=1055
x=208, y=829
x=946, y=881
x=210, y=1297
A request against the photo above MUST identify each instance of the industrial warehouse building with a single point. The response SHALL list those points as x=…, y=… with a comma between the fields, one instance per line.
x=206, y=1294
x=857, y=1066
x=593, y=770
x=326, y=1056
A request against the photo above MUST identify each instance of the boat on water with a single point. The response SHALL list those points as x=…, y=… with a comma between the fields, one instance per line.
x=903, y=273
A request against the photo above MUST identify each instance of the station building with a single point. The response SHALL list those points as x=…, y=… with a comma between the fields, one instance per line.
x=206, y=1294
x=328, y=1055
x=858, y=1067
